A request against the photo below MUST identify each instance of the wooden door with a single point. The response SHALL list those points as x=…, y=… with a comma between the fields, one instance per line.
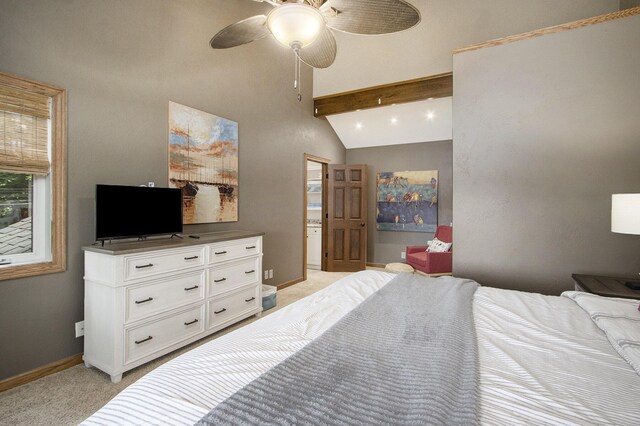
x=347, y=218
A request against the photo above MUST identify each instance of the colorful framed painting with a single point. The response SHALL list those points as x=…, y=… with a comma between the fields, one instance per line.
x=203, y=163
x=407, y=201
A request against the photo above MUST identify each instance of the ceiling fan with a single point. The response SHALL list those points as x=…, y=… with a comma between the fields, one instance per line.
x=306, y=26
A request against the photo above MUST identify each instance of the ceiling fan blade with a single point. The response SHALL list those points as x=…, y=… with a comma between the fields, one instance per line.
x=370, y=17
x=242, y=32
x=322, y=52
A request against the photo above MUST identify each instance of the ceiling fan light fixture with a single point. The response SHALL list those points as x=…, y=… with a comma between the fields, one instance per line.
x=295, y=24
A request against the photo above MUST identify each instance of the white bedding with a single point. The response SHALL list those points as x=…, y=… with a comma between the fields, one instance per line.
x=542, y=361
x=619, y=319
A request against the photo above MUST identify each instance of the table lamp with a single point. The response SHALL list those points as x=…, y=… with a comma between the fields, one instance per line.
x=625, y=219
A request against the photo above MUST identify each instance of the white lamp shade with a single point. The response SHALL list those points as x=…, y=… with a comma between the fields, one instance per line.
x=295, y=23
x=625, y=213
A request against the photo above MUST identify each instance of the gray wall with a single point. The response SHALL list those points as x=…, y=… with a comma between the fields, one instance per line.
x=122, y=61
x=385, y=246
x=545, y=130
x=627, y=4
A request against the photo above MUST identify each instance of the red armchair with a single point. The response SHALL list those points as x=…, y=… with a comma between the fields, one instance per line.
x=432, y=263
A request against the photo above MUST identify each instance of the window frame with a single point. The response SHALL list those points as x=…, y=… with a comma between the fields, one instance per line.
x=57, y=180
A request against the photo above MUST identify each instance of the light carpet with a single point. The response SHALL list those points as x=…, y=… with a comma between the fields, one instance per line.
x=69, y=397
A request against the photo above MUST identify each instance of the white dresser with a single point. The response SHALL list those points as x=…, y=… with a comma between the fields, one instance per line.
x=146, y=299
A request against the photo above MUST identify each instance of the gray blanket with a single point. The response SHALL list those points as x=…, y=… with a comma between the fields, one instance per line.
x=406, y=355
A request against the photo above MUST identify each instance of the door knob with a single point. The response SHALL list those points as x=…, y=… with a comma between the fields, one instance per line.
x=362, y=224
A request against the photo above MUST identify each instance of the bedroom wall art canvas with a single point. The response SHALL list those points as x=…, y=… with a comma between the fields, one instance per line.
x=203, y=163
x=407, y=201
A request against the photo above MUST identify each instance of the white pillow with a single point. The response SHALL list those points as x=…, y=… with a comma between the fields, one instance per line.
x=437, y=246
x=618, y=318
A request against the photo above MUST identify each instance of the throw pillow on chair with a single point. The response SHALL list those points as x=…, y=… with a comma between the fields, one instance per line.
x=437, y=246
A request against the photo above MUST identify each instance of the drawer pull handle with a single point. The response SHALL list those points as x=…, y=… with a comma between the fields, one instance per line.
x=250, y=272
x=221, y=311
x=143, y=340
x=220, y=252
x=249, y=300
x=148, y=265
x=191, y=288
x=250, y=247
x=144, y=301
x=191, y=257
x=191, y=322
x=220, y=280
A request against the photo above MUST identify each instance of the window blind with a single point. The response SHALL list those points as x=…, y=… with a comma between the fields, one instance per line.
x=24, y=131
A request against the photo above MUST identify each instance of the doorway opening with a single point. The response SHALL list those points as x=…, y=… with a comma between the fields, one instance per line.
x=314, y=213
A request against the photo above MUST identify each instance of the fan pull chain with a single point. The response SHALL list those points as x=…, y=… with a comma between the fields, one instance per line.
x=297, y=81
x=295, y=70
x=298, y=60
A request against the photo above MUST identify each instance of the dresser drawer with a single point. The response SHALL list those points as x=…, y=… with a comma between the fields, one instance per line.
x=146, y=339
x=162, y=262
x=234, y=275
x=229, y=307
x=235, y=249
x=158, y=296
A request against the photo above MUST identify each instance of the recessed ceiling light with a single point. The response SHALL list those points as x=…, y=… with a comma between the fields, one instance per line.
x=431, y=115
x=394, y=120
x=358, y=125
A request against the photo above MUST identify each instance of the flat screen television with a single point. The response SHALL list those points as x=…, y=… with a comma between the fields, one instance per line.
x=137, y=211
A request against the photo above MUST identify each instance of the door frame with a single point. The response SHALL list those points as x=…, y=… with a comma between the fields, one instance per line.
x=325, y=168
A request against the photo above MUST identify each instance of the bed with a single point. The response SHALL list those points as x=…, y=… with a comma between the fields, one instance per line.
x=541, y=359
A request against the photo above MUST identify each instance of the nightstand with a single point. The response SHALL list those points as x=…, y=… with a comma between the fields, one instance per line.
x=605, y=286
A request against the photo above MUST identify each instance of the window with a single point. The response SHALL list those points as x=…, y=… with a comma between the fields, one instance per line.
x=32, y=178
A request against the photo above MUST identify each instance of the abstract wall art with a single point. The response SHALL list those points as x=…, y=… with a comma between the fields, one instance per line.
x=203, y=163
x=407, y=201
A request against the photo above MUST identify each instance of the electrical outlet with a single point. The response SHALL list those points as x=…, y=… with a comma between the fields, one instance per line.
x=403, y=255
x=80, y=328
x=270, y=273
x=266, y=274
x=151, y=184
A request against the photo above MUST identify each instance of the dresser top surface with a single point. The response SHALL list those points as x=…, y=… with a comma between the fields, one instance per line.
x=128, y=247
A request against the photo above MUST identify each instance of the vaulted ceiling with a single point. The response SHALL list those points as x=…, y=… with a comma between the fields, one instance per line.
x=425, y=50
